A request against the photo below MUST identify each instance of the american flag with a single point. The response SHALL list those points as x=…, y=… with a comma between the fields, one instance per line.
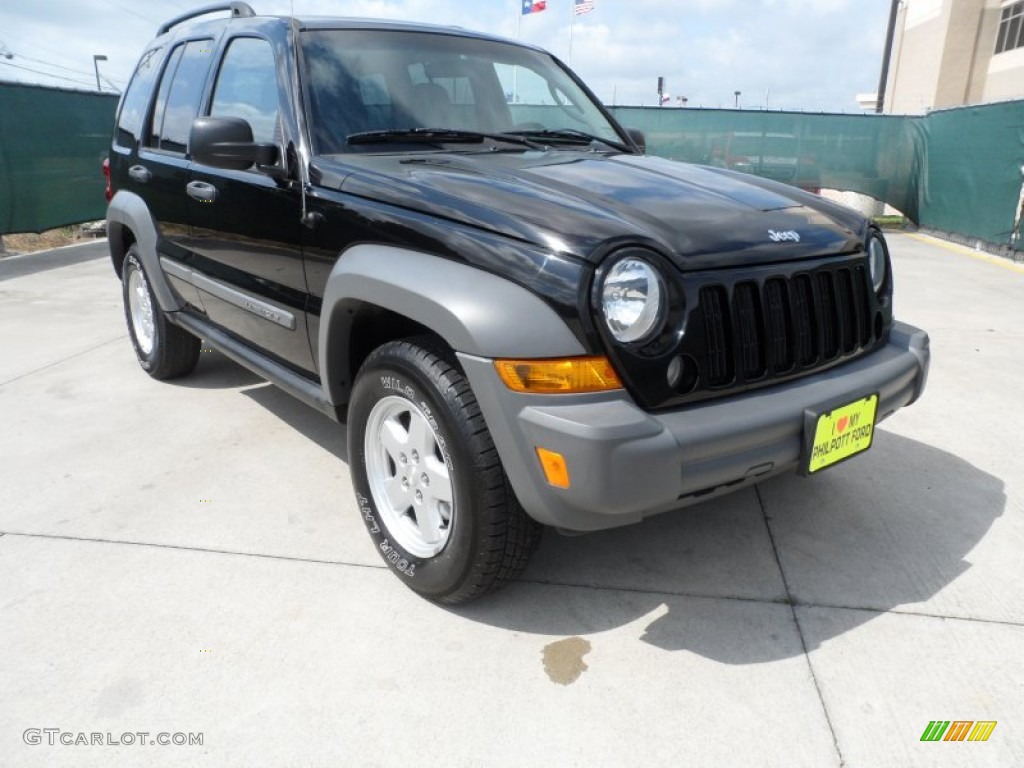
x=582, y=6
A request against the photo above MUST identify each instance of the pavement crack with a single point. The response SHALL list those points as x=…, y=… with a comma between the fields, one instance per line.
x=649, y=591
x=799, y=630
x=62, y=360
x=780, y=601
x=914, y=614
x=185, y=548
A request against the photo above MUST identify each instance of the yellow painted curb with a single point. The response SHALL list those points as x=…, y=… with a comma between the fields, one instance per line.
x=965, y=251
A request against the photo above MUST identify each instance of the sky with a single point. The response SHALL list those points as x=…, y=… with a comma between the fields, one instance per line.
x=811, y=55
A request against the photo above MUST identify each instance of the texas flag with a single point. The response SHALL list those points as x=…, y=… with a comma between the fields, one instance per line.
x=534, y=6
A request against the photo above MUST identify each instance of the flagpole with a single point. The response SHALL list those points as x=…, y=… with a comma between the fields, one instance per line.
x=515, y=67
x=572, y=24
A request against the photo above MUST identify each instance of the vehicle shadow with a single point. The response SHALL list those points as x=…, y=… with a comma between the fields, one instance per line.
x=308, y=421
x=890, y=529
x=216, y=371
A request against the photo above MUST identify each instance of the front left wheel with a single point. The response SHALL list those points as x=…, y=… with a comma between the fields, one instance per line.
x=428, y=480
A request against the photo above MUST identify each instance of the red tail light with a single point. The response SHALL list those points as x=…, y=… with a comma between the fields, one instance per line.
x=109, y=192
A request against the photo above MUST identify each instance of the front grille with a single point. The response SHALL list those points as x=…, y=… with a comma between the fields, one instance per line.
x=715, y=302
x=756, y=330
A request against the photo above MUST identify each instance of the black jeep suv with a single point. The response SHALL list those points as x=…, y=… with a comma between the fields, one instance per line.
x=443, y=239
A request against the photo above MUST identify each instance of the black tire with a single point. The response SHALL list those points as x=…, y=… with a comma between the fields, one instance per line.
x=489, y=537
x=172, y=351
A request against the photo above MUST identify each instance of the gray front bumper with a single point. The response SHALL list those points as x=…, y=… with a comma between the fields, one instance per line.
x=626, y=464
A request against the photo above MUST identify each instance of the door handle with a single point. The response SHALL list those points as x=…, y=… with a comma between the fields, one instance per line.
x=140, y=173
x=201, y=191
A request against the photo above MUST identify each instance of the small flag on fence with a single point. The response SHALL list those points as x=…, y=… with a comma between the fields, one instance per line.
x=582, y=6
x=534, y=6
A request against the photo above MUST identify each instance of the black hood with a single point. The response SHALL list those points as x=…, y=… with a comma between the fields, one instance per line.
x=584, y=203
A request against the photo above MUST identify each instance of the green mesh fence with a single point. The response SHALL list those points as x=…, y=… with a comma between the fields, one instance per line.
x=958, y=170
x=971, y=179
x=874, y=155
x=52, y=144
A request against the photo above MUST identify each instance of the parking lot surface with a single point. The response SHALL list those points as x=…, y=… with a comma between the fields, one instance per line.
x=187, y=558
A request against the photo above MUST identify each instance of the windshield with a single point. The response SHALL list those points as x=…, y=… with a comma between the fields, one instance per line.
x=361, y=81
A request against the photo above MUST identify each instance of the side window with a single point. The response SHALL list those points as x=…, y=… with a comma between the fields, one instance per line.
x=136, y=98
x=178, y=103
x=153, y=138
x=247, y=87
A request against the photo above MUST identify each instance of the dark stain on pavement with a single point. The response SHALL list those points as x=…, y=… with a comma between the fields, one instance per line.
x=563, y=660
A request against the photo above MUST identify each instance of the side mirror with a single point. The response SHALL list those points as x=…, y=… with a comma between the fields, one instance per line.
x=638, y=138
x=226, y=142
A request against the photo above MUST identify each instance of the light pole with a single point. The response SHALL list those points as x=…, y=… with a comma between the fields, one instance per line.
x=95, y=64
x=737, y=94
x=886, y=56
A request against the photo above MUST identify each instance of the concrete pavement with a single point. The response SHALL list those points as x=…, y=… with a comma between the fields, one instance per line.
x=186, y=558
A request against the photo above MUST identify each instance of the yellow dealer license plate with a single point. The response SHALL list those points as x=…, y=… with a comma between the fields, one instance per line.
x=841, y=433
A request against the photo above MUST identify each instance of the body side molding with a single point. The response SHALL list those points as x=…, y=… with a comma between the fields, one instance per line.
x=267, y=310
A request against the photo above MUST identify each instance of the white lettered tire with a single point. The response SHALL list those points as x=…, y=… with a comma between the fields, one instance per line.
x=428, y=480
x=164, y=350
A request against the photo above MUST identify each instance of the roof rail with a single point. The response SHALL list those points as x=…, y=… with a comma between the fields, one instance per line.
x=238, y=10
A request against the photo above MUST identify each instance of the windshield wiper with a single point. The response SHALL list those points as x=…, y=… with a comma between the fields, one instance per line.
x=436, y=136
x=572, y=136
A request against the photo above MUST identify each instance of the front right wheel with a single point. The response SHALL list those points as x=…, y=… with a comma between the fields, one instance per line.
x=428, y=480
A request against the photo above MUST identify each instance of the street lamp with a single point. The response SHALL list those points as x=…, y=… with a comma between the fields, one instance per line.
x=95, y=63
x=737, y=94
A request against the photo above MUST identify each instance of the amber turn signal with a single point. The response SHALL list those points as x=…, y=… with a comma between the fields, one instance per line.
x=551, y=377
x=555, y=469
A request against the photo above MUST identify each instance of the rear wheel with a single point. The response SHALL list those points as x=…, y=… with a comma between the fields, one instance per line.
x=428, y=479
x=164, y=350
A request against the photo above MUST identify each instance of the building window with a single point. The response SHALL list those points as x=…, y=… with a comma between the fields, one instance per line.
x=1011, y=28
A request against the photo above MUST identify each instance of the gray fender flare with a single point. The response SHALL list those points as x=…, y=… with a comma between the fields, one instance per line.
x=127, y=209
x=474, y=311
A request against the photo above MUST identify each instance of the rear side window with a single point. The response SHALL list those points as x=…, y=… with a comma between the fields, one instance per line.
x=247, y=87
x=178, y=103
x=136, y=98
x=153, y=139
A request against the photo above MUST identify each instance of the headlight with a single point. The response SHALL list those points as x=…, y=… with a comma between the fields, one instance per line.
x=632, y=299
x=877, y=262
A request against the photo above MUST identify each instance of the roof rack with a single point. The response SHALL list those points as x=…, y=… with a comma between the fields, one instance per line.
x=238, y=10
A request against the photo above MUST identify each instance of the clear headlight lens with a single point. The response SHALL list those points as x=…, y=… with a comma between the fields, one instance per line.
x=632, y=299
x=877, y=262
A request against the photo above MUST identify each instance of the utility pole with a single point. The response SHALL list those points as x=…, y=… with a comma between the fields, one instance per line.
x=95, y=63
x=886, y=55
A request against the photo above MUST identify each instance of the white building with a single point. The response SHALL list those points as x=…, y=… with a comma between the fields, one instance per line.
x=949, y=53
